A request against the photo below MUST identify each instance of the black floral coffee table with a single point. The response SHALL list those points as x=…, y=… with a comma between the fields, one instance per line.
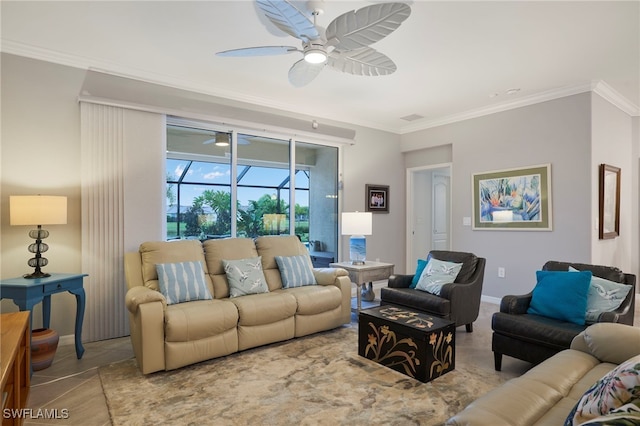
x=416, y=344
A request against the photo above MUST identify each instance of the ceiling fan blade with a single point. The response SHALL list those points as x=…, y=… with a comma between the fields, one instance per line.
x=303, y=73
x=289, y=19
x=363, y=27
x=259, y=51
x=365, y=61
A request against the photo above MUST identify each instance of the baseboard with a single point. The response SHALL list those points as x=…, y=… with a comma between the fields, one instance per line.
x=491, y=299
x=69, y=339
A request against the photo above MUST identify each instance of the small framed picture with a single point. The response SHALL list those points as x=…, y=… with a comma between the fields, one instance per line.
x=377, y=198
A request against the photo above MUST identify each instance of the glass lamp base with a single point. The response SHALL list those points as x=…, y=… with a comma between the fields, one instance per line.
x=357, y=249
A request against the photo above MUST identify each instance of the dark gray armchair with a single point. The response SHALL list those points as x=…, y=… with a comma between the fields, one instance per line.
x=458, y=301
x=534, y=338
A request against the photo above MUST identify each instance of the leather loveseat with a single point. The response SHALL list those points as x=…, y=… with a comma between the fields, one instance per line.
x=546, y=394
x=168, y=336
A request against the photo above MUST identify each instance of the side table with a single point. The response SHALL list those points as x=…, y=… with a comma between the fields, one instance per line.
x=367, y=273
x=26, y=293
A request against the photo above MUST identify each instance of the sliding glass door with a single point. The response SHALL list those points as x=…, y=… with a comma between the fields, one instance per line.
x=280, y=186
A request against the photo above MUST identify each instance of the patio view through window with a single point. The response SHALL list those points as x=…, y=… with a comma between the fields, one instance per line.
x=199, y=188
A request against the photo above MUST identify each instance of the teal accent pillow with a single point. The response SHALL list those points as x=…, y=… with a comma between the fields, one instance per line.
x=561, y=295
x=182, y=282
x=616, y=394
x=604, y=296
x=436, y=274
x=420, y=267
x=295, y=271
x=245, y=276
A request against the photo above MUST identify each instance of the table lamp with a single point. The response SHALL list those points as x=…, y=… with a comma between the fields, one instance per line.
x=357, y=225
x=37, y=210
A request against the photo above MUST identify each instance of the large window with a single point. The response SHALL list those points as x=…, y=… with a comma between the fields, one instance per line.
x=200, y=189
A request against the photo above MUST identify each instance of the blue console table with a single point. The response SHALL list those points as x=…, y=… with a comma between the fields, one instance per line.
x=26, y=293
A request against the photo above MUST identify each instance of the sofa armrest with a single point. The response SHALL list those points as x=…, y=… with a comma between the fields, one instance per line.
x=609, y=342
x=518, y=305
x=399, y=281
x=146, y=323
x=139, y=295
x=340, y=278
x=328, y=276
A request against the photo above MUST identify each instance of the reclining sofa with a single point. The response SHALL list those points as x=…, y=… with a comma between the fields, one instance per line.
x=168, y=336
x=548, y=393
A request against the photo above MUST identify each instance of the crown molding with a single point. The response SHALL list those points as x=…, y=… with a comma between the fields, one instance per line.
x=75, y=61
x=614, y=97
x=90, y=63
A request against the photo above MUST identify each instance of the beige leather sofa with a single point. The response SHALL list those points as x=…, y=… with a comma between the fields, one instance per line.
x=166, y=337
x=546, y=394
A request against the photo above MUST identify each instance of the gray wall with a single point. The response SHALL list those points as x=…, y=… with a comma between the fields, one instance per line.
x=556, y=132
x=40, y=153
x=611, y=144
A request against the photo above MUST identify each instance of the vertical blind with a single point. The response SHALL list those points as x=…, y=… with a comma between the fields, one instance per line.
x=122, y=156
x=102, y=139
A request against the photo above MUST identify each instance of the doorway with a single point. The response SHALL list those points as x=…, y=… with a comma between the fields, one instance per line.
x=428, y=211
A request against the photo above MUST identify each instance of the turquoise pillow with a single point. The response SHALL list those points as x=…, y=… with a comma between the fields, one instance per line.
x=182, y=282
x=420, y=267
x=561, y=295
x=604, y=296
x=245, y=276
x=295, y=271
x=416, y=277
x=436, y=274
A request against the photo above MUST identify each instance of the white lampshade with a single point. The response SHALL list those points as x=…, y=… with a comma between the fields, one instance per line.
x=357, y=223
x=37, y=210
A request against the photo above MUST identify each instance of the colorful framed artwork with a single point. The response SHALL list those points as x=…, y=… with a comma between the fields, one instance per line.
x=377, y=198
x=514, y=199
x=609, y=202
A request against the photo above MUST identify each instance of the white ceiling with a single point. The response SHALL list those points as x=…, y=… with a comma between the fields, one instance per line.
x=453, y=57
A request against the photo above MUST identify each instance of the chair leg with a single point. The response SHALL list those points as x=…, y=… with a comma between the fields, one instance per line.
x=469, y=327
x=497, y=359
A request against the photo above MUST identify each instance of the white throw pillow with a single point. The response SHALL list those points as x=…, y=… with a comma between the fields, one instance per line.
x=436, y=274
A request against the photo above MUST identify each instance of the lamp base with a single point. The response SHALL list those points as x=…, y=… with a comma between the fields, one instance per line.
x=36, y=274
x=357, y=249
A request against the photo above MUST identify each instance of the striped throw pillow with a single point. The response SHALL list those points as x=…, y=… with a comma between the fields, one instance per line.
x=295, y=271
x=182, y=282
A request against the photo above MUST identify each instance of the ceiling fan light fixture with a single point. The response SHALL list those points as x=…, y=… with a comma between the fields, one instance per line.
x=315, y=53
x=222, y=139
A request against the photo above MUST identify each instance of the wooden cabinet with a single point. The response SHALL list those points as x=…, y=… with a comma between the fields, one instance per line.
x=15, y=361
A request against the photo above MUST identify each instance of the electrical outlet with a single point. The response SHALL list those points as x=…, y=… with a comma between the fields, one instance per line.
x=501, y=272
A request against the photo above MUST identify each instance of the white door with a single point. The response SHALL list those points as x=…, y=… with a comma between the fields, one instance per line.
x=428, y=209
x=440, y=209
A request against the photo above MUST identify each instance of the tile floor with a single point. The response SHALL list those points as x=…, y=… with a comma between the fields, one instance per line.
x=74, y=385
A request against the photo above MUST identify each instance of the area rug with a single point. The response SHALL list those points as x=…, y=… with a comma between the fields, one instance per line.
x=315, y=380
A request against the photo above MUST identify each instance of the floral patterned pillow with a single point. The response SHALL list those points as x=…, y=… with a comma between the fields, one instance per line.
x=618, y=389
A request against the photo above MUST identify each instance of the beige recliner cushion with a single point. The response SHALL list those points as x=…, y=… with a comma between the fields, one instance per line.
x=228, y=249
x=154, y=252
x=315, y=299
x=186, y=322
x=265, y=308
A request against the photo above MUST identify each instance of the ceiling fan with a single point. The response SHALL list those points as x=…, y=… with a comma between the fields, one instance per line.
x=343, y=46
